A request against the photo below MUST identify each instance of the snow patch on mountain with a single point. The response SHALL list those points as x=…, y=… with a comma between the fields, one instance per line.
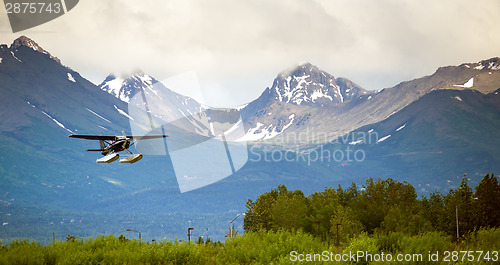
x=114, y=87
x=383, y=138
x=123, y=113
x=356, y=142
x=98, y=115
x=390, y=114
x=57, y=122
x=251, y=135
x=50, y=117
x=339, y=93
x=13, y=55
x=70, y=78
x=467, y=84
x=400, y=128
x=494, y=66
x=263, y=132
x=320, y=94
x=292, y=118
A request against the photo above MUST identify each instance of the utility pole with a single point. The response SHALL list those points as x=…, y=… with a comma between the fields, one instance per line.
x=318, y=222
x=189, y=234
x=231, y=225
x=140, y=239
x=456, y=213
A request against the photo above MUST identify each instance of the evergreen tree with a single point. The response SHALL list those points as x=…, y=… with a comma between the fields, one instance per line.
x=458, y=202
x=487, y=202
x=433, y=210
x=323, y=206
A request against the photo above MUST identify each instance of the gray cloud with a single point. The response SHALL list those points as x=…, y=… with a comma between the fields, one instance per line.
x=238, y=46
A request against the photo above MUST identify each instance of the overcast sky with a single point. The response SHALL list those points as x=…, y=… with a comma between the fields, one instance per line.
x=237, y=47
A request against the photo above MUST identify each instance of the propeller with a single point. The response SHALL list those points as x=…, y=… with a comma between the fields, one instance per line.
x=126, y=142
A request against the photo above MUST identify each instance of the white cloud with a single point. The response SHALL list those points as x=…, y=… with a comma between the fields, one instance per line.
x=237, y=46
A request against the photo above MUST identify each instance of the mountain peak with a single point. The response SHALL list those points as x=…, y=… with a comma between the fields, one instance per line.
x=307, y=84
x=27, y=42
x=301, y=68
x=124, y=86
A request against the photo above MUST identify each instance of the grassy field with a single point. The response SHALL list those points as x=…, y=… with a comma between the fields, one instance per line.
x=261, y=247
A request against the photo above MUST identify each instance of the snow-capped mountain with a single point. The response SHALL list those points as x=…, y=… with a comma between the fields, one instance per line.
x=173, y=105
x=311, y=103
x=41, y=103
x=308, y=85
x=125, y=87
x=36, y=84
x=180, y=114
x=300, y=98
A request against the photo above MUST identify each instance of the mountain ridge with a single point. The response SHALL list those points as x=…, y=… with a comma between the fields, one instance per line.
x=300, y=93
x=363, y=108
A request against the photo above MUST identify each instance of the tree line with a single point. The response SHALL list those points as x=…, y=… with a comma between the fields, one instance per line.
x=381, y=206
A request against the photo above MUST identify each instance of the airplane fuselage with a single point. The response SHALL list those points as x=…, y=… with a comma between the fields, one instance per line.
x=116, y=146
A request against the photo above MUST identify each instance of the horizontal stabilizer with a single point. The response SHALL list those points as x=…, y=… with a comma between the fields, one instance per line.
x=95, y=150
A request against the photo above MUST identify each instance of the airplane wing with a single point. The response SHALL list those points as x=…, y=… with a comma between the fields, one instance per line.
x=94, y=137
x=147, y=137
x=113, y=137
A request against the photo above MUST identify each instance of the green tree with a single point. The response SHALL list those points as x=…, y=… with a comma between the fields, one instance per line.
x=487, y=202
x=289, y=211
x=433, y=210
x=344, y=219
x=378, y=197
x=404, y=220
x=258, y=214
x=323, y=206
x=277, y=209
x=459, y=202
x=348, y=195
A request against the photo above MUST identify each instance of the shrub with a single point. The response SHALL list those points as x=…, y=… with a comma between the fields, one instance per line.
x=362, y=243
